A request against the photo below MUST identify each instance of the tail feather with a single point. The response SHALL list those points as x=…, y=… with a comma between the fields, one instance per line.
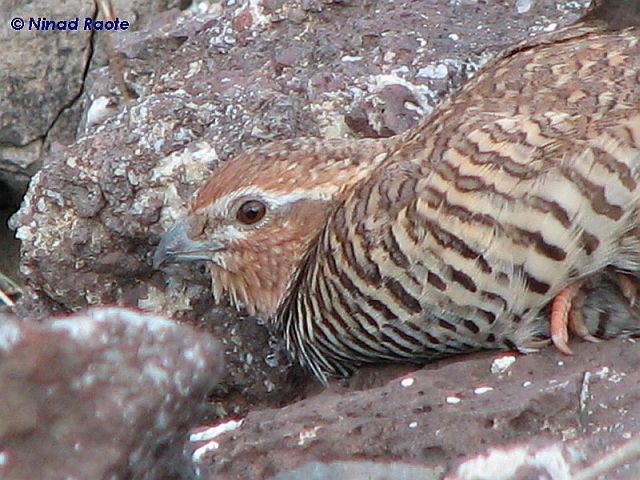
x=616, y=14
x=607, y=312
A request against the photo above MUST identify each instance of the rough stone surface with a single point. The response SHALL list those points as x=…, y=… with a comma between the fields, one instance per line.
x=42, y=77
x=108, y=393
x=433, y=416
x=41, y=74
x=254, y=71
x=538, y=459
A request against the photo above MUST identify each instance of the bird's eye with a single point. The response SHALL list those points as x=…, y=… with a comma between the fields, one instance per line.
x=251, y=211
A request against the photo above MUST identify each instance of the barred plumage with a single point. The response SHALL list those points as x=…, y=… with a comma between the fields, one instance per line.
x=523, y=183
x=451, y=237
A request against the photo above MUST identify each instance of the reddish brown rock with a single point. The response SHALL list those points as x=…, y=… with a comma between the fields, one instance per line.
x=108, y=393
x=575, y=410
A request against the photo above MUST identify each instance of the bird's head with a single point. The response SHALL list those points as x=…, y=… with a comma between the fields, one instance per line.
x=252, y=220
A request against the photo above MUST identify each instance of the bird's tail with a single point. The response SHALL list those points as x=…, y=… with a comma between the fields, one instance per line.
x=616, y=14
x=607, y=312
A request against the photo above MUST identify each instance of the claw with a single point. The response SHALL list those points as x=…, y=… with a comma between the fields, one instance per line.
x=576, y=320
x=628, y=287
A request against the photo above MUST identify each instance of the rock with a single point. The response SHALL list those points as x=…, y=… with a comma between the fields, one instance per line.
x=108, y=393
x=249, y=73
x=41, y=74
x=540, y=459
x=42, y=79
x=357, y=470
x=545, y=408
x=555, y=460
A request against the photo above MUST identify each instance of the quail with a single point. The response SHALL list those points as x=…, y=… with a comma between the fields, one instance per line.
x=454, y=236
x=254, y=217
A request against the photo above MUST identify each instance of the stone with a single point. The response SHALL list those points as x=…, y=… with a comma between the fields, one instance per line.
x=43, y=75
x=107, y=393
x=462, y=416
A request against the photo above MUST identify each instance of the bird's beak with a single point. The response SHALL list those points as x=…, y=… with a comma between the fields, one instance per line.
x=176, y=246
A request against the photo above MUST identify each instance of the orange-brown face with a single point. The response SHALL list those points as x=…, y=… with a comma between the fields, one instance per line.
x=256, y=238
x=252, y=220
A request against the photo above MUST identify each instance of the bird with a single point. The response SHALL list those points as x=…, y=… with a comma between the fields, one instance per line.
x=453, y=237
x=252, y=220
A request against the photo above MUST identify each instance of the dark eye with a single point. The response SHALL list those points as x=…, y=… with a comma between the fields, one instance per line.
x=251, y=212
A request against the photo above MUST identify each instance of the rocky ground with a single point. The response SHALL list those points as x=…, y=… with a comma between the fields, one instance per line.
x=116, y=166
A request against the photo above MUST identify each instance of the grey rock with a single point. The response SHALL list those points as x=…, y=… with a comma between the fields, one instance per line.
x=41, y=74
x=108, y=393
x=359, y=470
x=41, y=71
x=42, y=77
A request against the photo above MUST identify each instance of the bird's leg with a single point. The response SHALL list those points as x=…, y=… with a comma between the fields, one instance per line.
x=576, y=319
x=560, y=310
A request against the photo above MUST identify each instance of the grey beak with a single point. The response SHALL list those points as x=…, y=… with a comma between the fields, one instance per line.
x=176, y=246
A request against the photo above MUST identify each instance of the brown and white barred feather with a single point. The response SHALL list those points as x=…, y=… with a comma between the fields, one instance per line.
x=522, y=183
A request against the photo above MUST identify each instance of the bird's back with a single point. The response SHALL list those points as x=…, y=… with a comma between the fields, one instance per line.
x=523, y=182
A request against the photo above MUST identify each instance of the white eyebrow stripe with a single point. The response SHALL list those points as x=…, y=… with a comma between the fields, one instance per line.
x=274, y=201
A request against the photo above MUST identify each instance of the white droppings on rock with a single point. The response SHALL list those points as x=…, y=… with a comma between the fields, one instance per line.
x=584, y=390
x=257, y=14
x=452, y=399
x=389, y=56
x=482, y=390
x=523, y=6
x=308, y=434
x=41, y=205
x=208, y=435
x=503, y=463
x=200, y=453
x=434, y=71
x=560, y=363
x=554, y=385
x=413, y=425
x=9, y=335
x=617, y=377
x=215, y=431
x=551, y=27
x=269, y=386
x=501, y=364
x=99, y=110
x=407, y=382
